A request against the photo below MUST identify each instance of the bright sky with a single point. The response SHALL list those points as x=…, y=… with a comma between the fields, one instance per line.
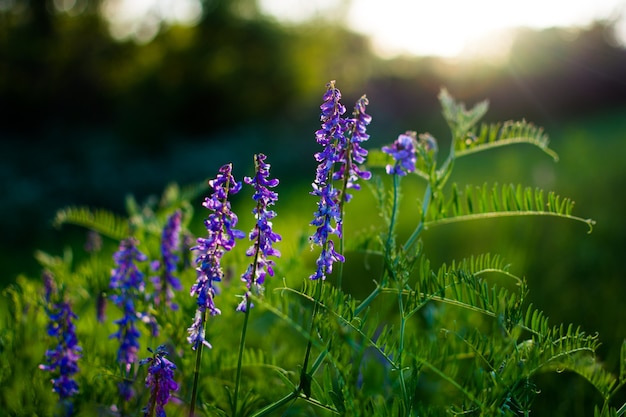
x=446, y=27
x=419, y=27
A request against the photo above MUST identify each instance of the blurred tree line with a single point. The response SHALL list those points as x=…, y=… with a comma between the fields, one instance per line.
x=62, y=69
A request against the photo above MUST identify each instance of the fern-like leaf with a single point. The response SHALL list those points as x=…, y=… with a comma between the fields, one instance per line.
x=509, y=200
x=495, y=135
x=101, y=221
x=457, y=116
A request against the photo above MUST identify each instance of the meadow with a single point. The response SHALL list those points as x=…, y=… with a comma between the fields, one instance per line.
x=398, y=300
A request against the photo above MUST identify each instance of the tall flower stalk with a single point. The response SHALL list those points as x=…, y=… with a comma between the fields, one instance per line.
x=63, y=358
x=127, y=282
x=220, y=226
x=263, y=238
x=339, y=160
x=166, y=282
x=160, y=381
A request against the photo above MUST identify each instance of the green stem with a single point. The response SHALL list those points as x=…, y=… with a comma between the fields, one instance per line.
x=342, y=206
x=196, y=373
x=275, y=406
x=240, y=358
x=394, y=213
x=420, y=227
x=304, y=376
x=401, y=346
x=392, y=225
x=363, y=305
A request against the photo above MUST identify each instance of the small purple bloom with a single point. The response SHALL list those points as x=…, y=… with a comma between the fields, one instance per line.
x=331, y=135
x=101, y=307
x=221, y=237
x=166, y=282
x=160, y=380
x=94, y=242
x=354, y=154
x=404, y=154
x=262, y=235
x=128, y=284
x=63, y=358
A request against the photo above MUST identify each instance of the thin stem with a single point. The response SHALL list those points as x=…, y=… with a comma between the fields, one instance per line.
x=420, y=226
x=196, y=373
x=274, y=406
x=401, y=347
x=304, y=377
x=240, y=358
x=392, y=226
x=394, y=213
x=342, y=206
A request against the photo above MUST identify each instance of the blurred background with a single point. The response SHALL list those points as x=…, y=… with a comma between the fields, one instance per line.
x=102, y=98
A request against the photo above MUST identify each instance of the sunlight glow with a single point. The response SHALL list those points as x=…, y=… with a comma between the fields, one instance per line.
x=449, y=28
x=140, y=20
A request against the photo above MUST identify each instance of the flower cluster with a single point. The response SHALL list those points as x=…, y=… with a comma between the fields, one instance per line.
x=337, y=150
x=262, y=235
x=221, y=237
x=354, y=153
x=166, y=282
x=63, y=358
x=404, y=152
x=160, y=381
x=127, y=283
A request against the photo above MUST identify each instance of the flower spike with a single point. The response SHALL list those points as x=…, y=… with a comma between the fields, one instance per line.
x=221, y=237
x=262, y=235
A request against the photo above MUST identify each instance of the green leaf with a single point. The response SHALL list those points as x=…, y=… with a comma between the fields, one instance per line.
x=101, y=221
x=494, y=135
x=505, y=201
x=458, y=117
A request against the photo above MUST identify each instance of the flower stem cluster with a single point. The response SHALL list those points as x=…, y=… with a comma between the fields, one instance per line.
x=341, y=139
x=128, y=283
x=160, y=381
x=166, y=282
x=262, y=235
x=63, y=358
x=221, y=237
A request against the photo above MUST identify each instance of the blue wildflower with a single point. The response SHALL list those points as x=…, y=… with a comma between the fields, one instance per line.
x=166, y=282
x=127, y=282
x=221, y=237
x=354, y=154
x=404, y=153
x=331, y=135
x=63, y=358
x=338, y=160
x=262, y=235
x=160, y=381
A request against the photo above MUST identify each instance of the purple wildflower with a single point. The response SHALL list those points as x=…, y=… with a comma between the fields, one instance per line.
x=63, y=358
x=221, y=239
x=101, y=307
x=331, y=135
x=94, y=242
x=404, y=154
x=354, y=153
x=337, y=161
x=166, y=282
x=160, y=380
x=262, y=235
x=127, y=282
